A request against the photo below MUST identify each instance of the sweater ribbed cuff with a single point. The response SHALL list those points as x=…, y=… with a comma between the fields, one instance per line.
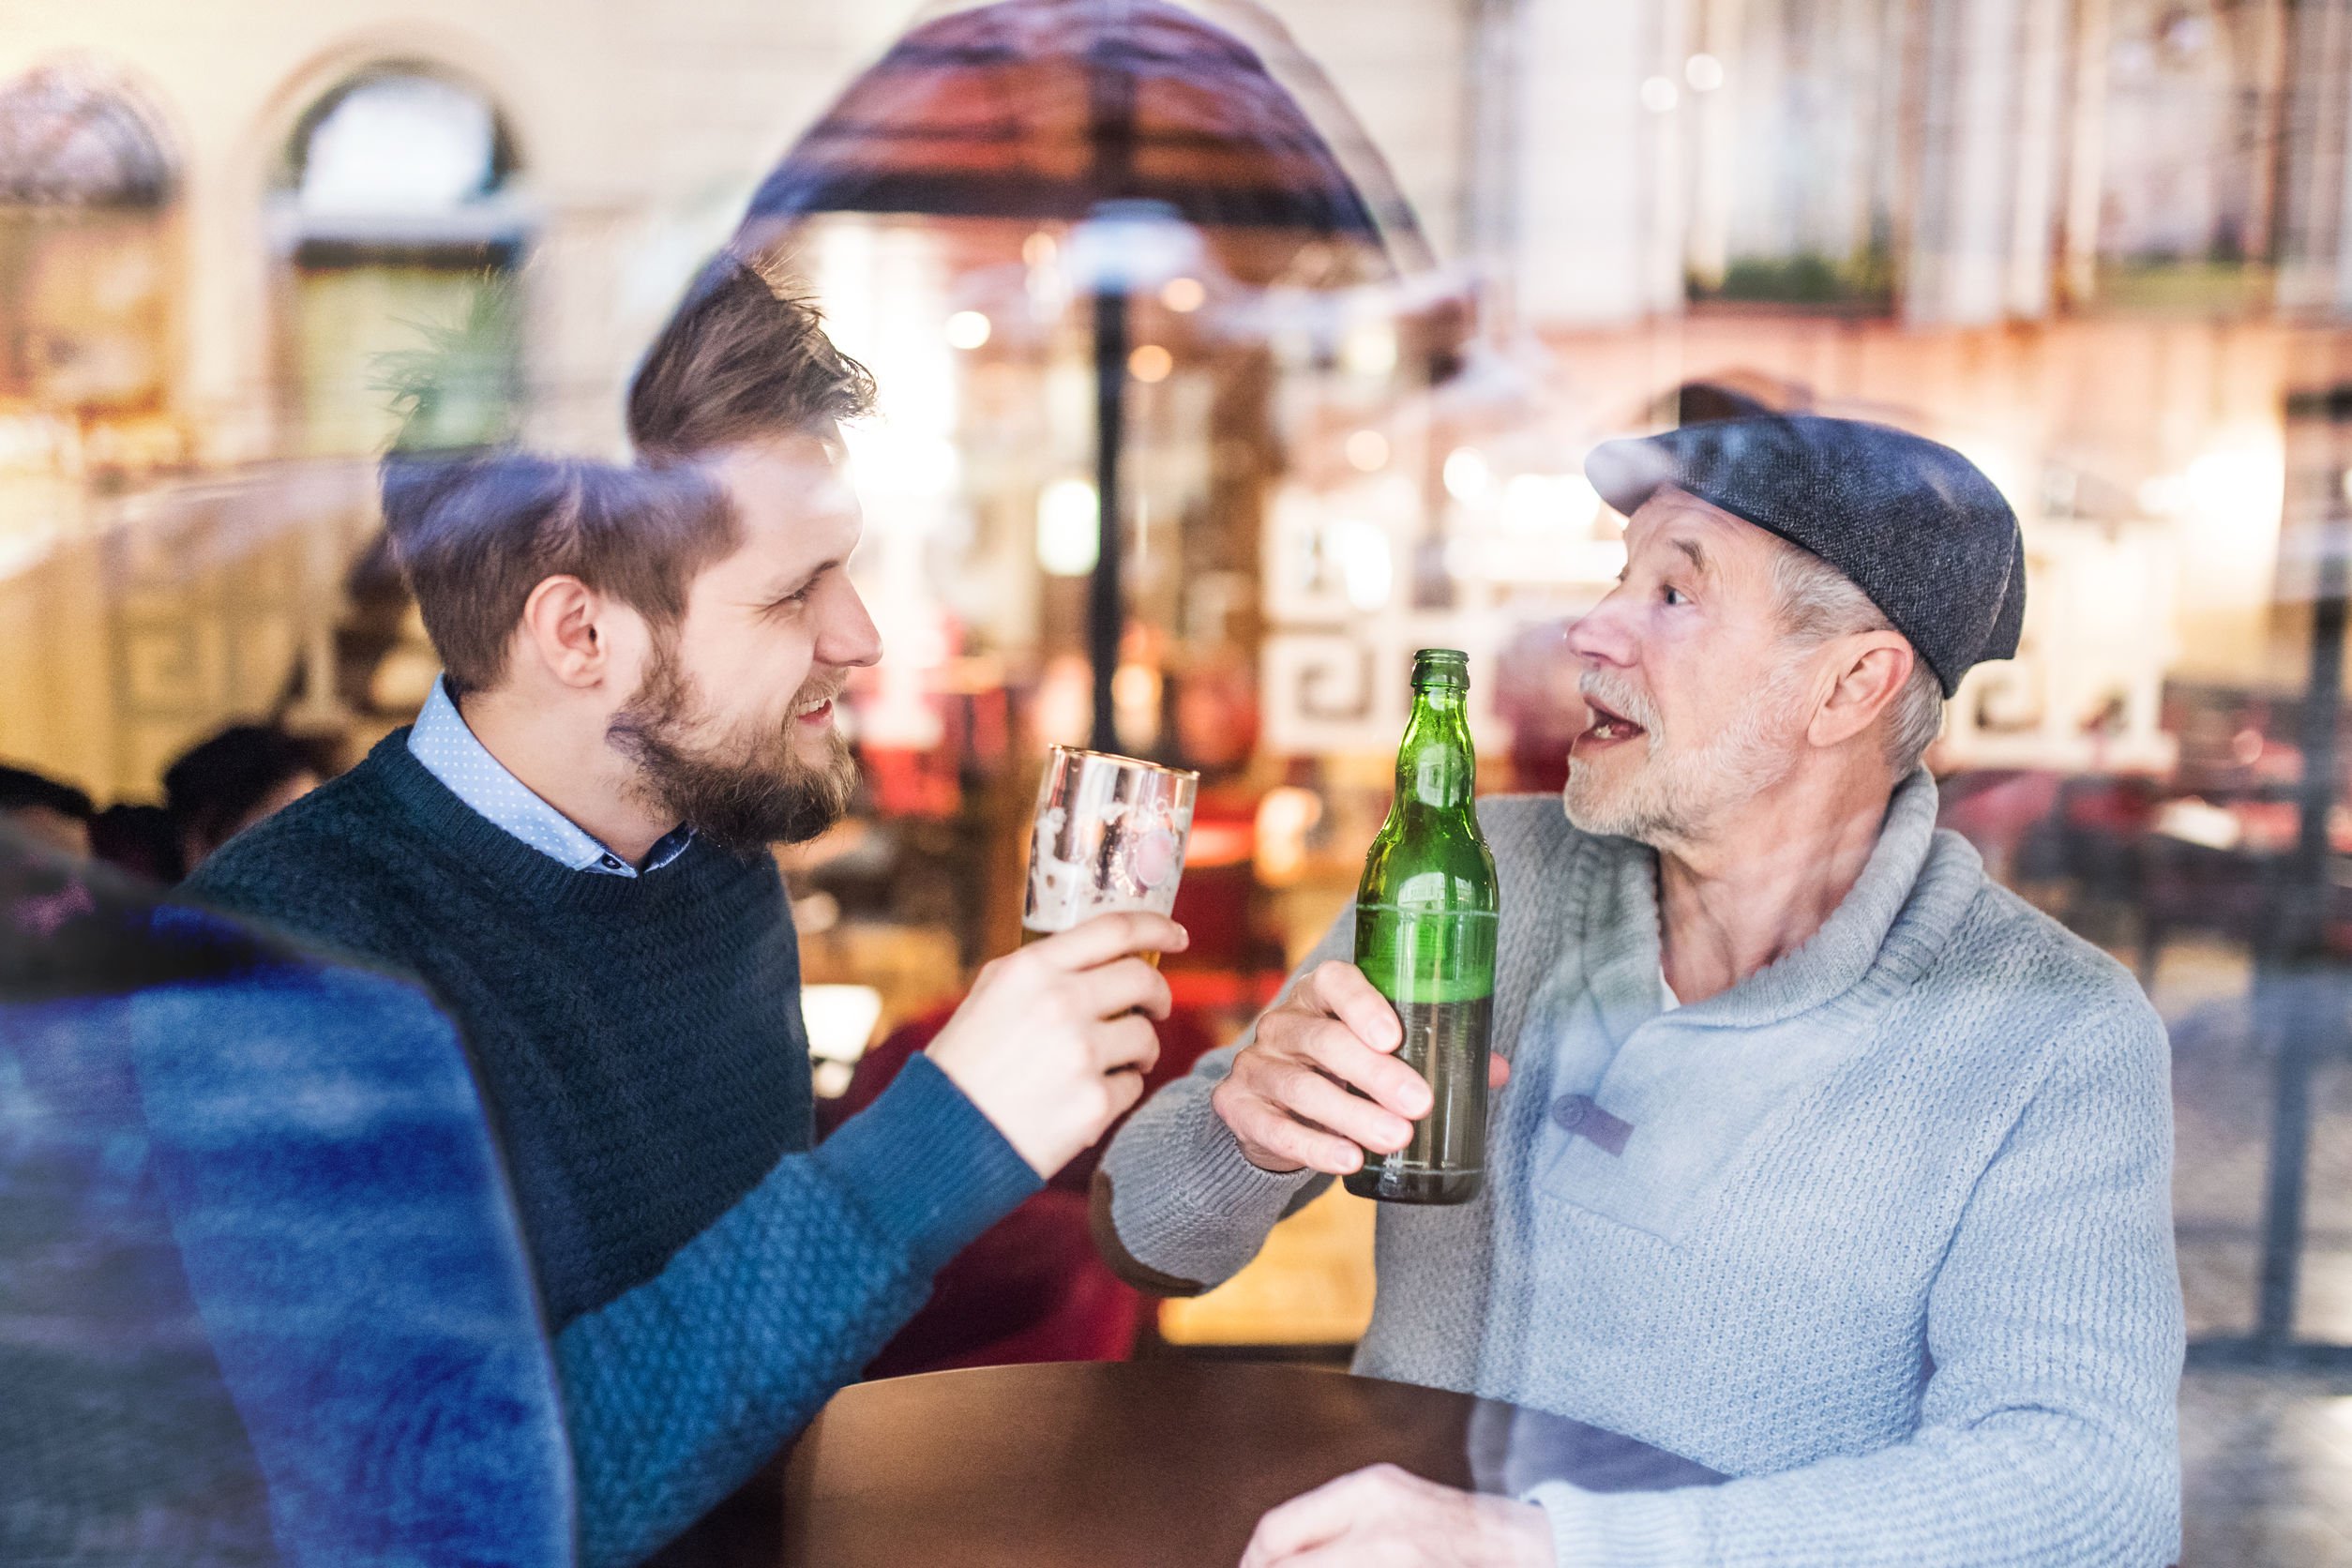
x=927, y=1167
x=1229, y=1185
x=1625, y=1529
x=1185, y=1203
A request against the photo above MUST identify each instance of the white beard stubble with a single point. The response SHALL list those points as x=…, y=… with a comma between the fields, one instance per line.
x=1675, y=792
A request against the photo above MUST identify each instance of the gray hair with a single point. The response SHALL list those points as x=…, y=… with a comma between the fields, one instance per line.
x=1818, y=602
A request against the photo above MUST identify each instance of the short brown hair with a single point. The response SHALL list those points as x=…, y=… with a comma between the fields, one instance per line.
x=740, y=360
x=475, y=536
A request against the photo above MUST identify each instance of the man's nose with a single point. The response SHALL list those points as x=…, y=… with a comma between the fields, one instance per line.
x=1601, y=636
x=849, y=641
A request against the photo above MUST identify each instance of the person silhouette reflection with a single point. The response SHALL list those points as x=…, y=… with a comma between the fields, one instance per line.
x=262, y=1295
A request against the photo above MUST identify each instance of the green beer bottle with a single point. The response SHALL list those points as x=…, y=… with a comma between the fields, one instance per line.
x=1427, y=912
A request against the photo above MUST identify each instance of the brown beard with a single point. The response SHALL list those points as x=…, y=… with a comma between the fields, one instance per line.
x=744, y=792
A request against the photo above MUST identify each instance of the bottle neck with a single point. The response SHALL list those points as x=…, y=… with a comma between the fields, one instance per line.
x=1435, y=770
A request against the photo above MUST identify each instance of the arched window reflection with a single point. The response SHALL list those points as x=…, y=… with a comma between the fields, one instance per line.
x=398, y=209
x=85, y=261
x=2191, y=89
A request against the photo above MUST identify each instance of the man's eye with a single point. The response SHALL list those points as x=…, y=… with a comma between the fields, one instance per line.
x=1673, y=596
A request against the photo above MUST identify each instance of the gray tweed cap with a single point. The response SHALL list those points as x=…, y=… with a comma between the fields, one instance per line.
x=1917, y=526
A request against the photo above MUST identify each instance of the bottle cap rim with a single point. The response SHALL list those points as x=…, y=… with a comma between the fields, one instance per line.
x=1443, y=667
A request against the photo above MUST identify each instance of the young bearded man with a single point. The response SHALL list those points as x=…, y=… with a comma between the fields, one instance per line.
x=570, y=847
x=1822, y=1160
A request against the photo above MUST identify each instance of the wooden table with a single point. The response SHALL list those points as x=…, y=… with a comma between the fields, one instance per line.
x=1143, y=1464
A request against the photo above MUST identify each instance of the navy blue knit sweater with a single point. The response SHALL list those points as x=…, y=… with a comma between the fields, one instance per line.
x=711, y=1277
x=639, y=1037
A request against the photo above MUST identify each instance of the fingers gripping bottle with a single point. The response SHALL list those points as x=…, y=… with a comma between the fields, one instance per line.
x=1426, y=914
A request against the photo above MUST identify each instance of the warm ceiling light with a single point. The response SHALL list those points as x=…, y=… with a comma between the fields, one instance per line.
x=967, y=329
x=1183, y=295
x=1069, y=526
x=1367, y=451
x=1467, y=476
x=1150, y=362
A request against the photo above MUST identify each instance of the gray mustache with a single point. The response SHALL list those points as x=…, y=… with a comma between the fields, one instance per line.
x=1619, y=697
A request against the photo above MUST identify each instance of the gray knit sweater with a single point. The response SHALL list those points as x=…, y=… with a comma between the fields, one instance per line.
x=1889, y=1244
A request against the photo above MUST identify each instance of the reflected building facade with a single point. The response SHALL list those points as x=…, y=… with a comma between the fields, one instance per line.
x=2103, y=246
x=2096, y=244
x=533, y=182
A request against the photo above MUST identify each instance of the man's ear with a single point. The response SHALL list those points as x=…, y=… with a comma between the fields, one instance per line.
x=563, y=631
x=1870, y=669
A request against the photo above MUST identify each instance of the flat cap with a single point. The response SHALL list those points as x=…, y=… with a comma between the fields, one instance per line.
x=1917, y=526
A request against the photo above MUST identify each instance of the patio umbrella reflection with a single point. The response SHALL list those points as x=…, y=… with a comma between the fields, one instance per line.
x=1159, y=130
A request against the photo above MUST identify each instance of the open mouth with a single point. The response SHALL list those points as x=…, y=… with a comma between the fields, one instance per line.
x=1607, y=727
x=815, y=711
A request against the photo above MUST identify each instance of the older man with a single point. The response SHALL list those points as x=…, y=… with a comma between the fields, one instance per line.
x=1824, y=1161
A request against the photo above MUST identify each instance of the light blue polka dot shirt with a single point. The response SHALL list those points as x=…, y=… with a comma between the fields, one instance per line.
x=447, y=746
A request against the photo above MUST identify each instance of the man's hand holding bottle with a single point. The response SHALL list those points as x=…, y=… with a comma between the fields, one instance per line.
x=1320, y=1083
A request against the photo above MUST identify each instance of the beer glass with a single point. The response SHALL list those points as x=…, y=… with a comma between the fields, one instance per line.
x=1109, y=835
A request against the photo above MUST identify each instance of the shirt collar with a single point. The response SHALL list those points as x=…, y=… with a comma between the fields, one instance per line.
x=449, y=750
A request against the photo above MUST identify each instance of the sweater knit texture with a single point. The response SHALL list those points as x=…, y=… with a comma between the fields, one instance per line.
x=640, y=1039
x=711, y=1278
x=1890, y=1241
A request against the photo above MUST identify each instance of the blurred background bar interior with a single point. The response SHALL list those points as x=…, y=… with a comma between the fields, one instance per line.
x=1228, y=353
